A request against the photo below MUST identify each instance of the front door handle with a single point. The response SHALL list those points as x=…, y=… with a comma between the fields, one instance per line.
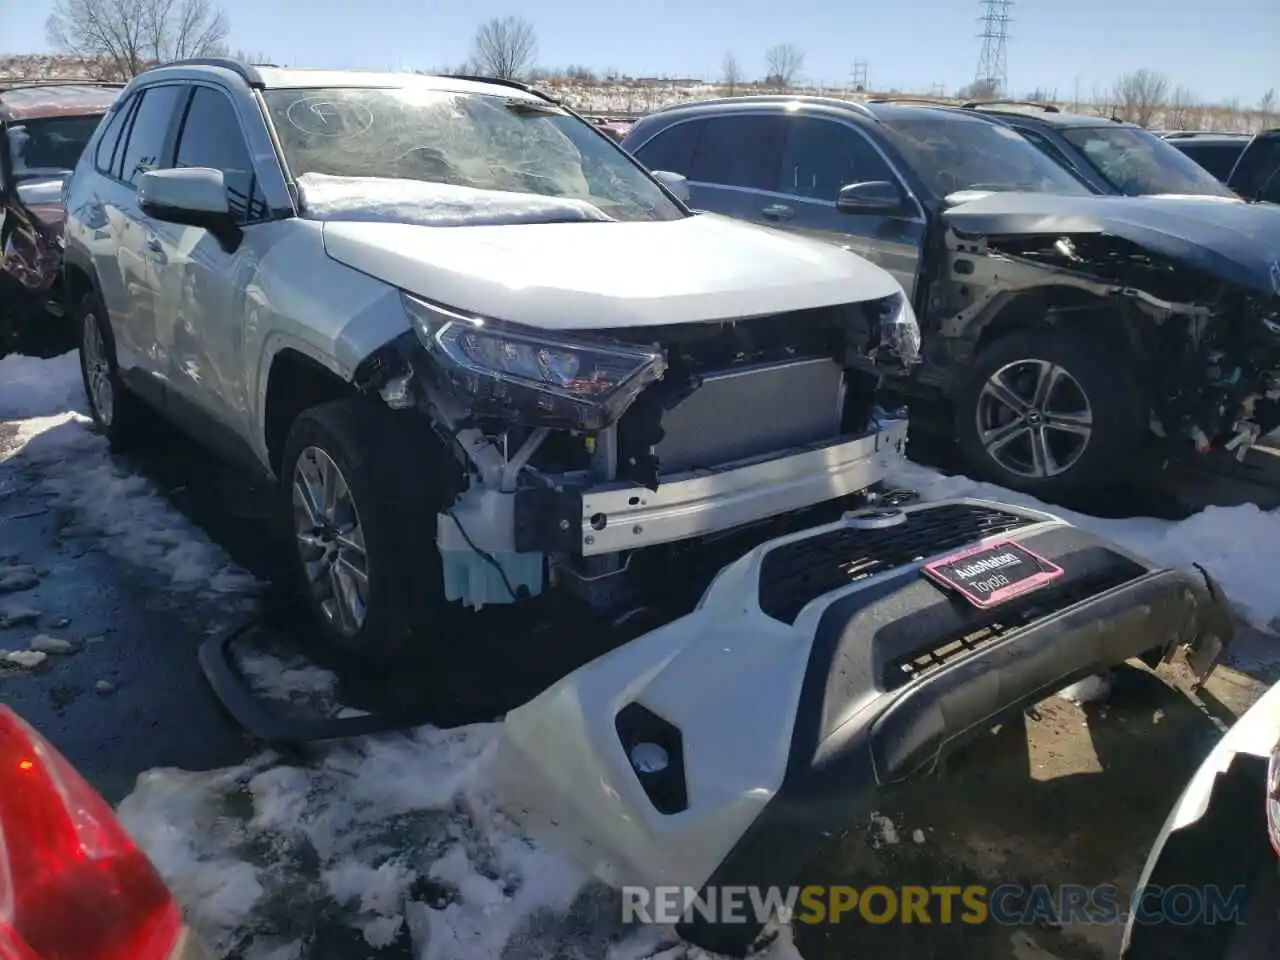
x=777, y=211
x=156, y=249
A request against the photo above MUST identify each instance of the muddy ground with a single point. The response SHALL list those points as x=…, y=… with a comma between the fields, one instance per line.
x=1074, y=796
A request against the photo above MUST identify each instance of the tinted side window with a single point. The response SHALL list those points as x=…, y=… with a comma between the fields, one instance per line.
x=150, y=129
x=821, y=156
x=739, y=151
x=106, y=152
x=211, y=137
x=673, y=149
x=1257, y=174
x=1216, y=158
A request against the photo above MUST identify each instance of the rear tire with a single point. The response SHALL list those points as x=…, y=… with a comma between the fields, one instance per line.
x=120, y=415
x=1074, y=435
x=367, y=563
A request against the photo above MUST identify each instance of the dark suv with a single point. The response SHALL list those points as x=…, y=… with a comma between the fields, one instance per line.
x=1216, y=152
x=44, y=126
x=1256, y=175
x=1068, y=331
x=1112, y=157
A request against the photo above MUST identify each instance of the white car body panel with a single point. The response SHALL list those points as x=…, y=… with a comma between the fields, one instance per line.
x=580, y=276
x=1256, y=733
x=729, y=676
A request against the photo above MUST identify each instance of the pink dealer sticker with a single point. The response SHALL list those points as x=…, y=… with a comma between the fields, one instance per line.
x=993, y=573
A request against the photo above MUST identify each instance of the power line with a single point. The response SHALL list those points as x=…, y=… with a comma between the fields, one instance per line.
x=993, y=62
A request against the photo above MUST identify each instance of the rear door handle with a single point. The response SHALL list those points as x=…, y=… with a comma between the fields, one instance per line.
x=777, y=211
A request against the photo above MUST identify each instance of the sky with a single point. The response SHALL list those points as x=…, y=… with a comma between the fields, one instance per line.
x=1220, y=50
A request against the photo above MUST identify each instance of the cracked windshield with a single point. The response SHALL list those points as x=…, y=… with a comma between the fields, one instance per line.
x=480, y=142
x=624, y=482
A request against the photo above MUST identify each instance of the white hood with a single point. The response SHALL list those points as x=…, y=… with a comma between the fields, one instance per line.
x=579, y=276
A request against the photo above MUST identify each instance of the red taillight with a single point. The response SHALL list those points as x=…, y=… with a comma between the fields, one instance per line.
x=73, y=885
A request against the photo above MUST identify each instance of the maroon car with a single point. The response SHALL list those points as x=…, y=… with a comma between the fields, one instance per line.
x=44, y=126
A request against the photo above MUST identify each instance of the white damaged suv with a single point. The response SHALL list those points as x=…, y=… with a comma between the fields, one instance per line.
x=484, y=352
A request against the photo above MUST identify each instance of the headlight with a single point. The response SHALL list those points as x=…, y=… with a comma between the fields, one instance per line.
x=1273, y=799
x=899, y=331
x=530, y=377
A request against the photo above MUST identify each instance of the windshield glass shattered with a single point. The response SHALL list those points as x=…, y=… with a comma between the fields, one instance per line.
x=481, y=142
x=953, y=153
x=50, y=146
x=1138, y=163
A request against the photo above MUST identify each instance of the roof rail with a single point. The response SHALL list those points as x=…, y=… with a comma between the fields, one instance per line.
x=1002, y=102
x=922, y=101
x=502, y=82
x=1187, y=134
x=7, y=85
x=247, y=72
x=856, y=105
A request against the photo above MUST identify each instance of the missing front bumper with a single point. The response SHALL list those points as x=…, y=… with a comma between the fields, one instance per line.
x=778, y=728
x=626, y=516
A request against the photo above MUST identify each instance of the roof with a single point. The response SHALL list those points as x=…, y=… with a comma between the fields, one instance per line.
x=1198, y=136
x=292, y=78
x=1048, y=118
x=269, y=77
x=756, y=101
x=55, y=100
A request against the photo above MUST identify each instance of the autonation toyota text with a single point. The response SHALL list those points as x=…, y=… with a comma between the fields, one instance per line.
x=1008, y=904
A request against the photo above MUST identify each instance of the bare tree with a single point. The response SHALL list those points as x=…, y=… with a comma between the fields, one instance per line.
x=782, y=64
x=730, y=73
x=980, y=90
x=1179, y=112
x=504, y=47
x=1267, y=109
x=130, y=35
x=1141, y=95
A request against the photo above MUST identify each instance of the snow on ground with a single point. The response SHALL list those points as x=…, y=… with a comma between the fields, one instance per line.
x=55, y=449
x=389, y=840
x=396, y=842
x=1239, y=546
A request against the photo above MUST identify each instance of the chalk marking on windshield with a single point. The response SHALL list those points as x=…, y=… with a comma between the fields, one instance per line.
x=332, y=119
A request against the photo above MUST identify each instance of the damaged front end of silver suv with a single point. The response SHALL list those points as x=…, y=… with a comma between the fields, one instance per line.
x=590, y=458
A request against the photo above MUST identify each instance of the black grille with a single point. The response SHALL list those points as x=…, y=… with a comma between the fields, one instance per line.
x=796, y=573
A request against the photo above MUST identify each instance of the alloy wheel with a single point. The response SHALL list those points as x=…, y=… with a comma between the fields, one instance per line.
x=1034, y=419
x=97, y=371
x=330, y=540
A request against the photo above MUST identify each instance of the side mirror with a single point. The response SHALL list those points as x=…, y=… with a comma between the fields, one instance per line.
x=872, y=196
x=676, y=183
x=193, y=197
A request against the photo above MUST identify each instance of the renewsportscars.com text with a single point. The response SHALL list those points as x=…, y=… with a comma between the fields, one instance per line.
x=1008, y=904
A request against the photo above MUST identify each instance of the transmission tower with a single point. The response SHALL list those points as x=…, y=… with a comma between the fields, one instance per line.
x=860, y=76
x=993, y=63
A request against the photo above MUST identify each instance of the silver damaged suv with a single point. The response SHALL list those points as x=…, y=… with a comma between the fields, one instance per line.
x=483, y=351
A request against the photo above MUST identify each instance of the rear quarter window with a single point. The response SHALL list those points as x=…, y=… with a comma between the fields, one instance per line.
x=672, y=149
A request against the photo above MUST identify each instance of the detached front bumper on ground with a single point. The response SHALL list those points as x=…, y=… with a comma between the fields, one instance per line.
x=727, y=747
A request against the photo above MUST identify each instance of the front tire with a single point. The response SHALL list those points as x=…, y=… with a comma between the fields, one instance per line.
x=361, y=486
x=1044, y=412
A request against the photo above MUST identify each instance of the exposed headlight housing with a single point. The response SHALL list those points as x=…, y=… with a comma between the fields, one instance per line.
x=898, y=332
x=530, y=377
